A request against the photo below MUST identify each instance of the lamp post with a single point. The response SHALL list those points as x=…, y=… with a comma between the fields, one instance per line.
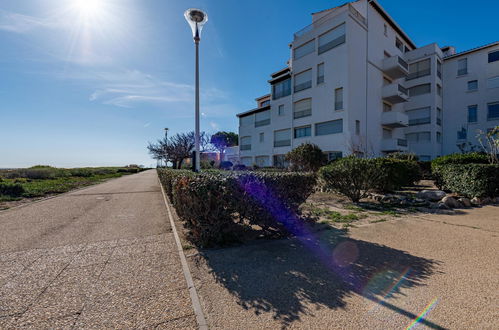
x=166, y=142
x=196, y=19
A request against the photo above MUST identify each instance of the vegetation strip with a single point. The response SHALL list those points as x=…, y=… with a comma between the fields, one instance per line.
x=196, y=305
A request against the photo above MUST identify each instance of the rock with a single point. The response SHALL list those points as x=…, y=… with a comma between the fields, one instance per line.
x=496, y=200
x=486, y=200
x=442, y=206
x=481, y=200
x=465, y=201
x=476, y=201
x=451, y=202
x=431, y=195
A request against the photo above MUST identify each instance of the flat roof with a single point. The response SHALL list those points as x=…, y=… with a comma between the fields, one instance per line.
x=472, y=50
x=252, y=111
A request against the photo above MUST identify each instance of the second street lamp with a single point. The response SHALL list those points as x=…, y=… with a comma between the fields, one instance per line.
x=196, y=19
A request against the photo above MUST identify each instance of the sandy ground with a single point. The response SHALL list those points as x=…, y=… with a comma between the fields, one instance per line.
x=375, y=276
x=100, y=257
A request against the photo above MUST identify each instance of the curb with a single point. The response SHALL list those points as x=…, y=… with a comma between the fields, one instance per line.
x=196, y=305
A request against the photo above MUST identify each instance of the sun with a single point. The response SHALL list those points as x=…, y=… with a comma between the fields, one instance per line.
x=89, y=8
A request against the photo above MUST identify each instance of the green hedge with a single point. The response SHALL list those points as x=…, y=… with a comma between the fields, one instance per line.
x=11, y=189
x=468, y=158
x=354, y=177
x=216, y=205
x=470, y=180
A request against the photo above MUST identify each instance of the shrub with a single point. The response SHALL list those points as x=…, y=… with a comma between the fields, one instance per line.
x=425, y=167
x=351, y=176
x=306, y=157
x=11, y=189
x=215, y=205
x=396, y=173
x=226, y=165
x=468, y=158
x=239, y=167
x=81, y=172
x=403, y=156
x=470, y=180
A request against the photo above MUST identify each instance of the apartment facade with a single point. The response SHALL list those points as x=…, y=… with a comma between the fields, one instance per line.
x=356, y=83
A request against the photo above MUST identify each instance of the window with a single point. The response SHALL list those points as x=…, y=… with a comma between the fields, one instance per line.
x=462, y=67
x=439, y=69
x=419, y=116
x=424, y=158
x=357, y=127
x=247, y=161
x=334, y=155
x=418, y=137
x=262, y=161
x=385, y=30
x=338, y=98
x=493, y=82
x=472, y=85
x=303, y=80
x=494, y=56
x=302, y=108
x=280, y=110
x=320, y=73
x=439, y=116
x=246, y=120
x=282, y=138
x=281, y=89
x=265, y=103
x=462, y=134
x=387, y=107
x=399, y=44
x=439, y=137
x=420, y=90
x=280, y=161
x=439, y=90
x=472, y=114
x=493, y=111
x=303, y=132
x=245, y=143
x=329, y=127
x=332, y=39
x=262, y=118
x=419, y=69
x=304, y=49
x=262, y=137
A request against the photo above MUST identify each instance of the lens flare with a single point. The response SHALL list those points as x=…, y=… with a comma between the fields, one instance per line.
x=423, y=314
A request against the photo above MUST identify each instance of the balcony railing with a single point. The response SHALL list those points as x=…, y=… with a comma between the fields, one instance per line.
x=403, y=63
x=262, y=122
x=402, y=89
x=395, y=67
x=419, y=121
x=402, y=142
x=245, y=147
x=282, y=143
x=301, y=114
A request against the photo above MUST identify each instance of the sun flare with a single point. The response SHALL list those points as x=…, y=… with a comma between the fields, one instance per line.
x=89, y=8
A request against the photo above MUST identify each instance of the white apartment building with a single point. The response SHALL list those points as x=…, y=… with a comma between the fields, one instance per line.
x=356, y=83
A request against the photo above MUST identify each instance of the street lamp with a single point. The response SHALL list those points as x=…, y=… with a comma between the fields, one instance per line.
x=196, y=19
x=166, y=143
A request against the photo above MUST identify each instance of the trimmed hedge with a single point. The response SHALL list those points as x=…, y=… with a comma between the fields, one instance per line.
x=354, y=177
x=215, y=206
x=458, y=159
x=470, y=180
x=11, y=189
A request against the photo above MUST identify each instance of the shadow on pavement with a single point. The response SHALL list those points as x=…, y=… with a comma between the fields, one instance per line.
x=285, y=277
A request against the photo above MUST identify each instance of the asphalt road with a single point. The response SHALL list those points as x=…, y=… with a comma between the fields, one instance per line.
x=100, y=257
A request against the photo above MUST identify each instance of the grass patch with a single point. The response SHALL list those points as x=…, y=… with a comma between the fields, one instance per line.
x=379, y=220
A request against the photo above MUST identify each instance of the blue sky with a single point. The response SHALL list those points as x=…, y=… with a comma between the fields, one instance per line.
x=92, y=87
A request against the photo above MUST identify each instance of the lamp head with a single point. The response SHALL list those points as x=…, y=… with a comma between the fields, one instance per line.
x=196, y=19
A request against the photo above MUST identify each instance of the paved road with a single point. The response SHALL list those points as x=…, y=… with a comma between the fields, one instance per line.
x=101, y=257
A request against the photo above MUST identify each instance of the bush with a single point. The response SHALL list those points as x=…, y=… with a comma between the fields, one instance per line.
x=306, y=157
x=468, y=158
x=351, y=176
x=215, y=205
x=226, y=165
x=470, y=180
x=239, y=167
x=403, y=156
x=425, y=167
x=396, y=173
x=11, y=189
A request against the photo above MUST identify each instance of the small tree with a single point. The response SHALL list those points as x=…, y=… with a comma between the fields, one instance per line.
x=222, y=140
x=306, y=157
x=490, y=144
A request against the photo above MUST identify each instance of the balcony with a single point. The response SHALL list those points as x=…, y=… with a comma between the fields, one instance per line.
x=394, y=119
x=395, y=93
x=393, y=145
x=395, y=67
x=282, y=143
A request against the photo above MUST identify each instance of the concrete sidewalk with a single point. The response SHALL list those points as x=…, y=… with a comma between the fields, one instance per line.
x=101, y=257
